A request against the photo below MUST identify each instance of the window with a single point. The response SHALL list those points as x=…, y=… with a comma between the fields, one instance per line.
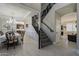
x=71, y=27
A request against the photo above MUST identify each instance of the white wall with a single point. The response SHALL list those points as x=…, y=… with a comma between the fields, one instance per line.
x=58, y=27
x=50, y=19
x=30, y=29
x=28, y=20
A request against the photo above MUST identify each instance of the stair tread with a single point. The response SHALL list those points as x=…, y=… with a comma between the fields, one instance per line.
x=46, y=44
x=45, y=41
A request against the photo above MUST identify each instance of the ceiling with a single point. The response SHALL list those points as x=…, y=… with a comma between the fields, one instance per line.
x=36, y=6
x=17, y=10
x=67, y=9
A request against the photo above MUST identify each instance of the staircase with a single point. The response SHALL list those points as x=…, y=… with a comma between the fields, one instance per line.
x=44, y=40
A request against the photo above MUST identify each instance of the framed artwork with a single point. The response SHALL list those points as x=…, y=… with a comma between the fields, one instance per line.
x=20, y=26
x=61, y=27
x=26, y=25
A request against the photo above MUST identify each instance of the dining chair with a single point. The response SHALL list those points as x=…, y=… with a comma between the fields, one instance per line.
x=10, y=39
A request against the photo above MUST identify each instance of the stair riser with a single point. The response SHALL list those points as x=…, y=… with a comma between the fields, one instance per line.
x=43, y=37
x=44, y=40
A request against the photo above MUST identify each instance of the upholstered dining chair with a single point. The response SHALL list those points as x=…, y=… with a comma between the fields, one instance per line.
x=10, y=39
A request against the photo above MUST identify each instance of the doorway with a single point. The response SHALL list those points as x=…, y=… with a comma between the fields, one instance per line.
x=66, y=29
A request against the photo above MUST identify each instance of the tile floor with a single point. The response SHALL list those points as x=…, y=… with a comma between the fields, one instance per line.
x=30, y=48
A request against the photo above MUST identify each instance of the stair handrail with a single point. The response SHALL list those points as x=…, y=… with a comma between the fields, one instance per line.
x=45, y=11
